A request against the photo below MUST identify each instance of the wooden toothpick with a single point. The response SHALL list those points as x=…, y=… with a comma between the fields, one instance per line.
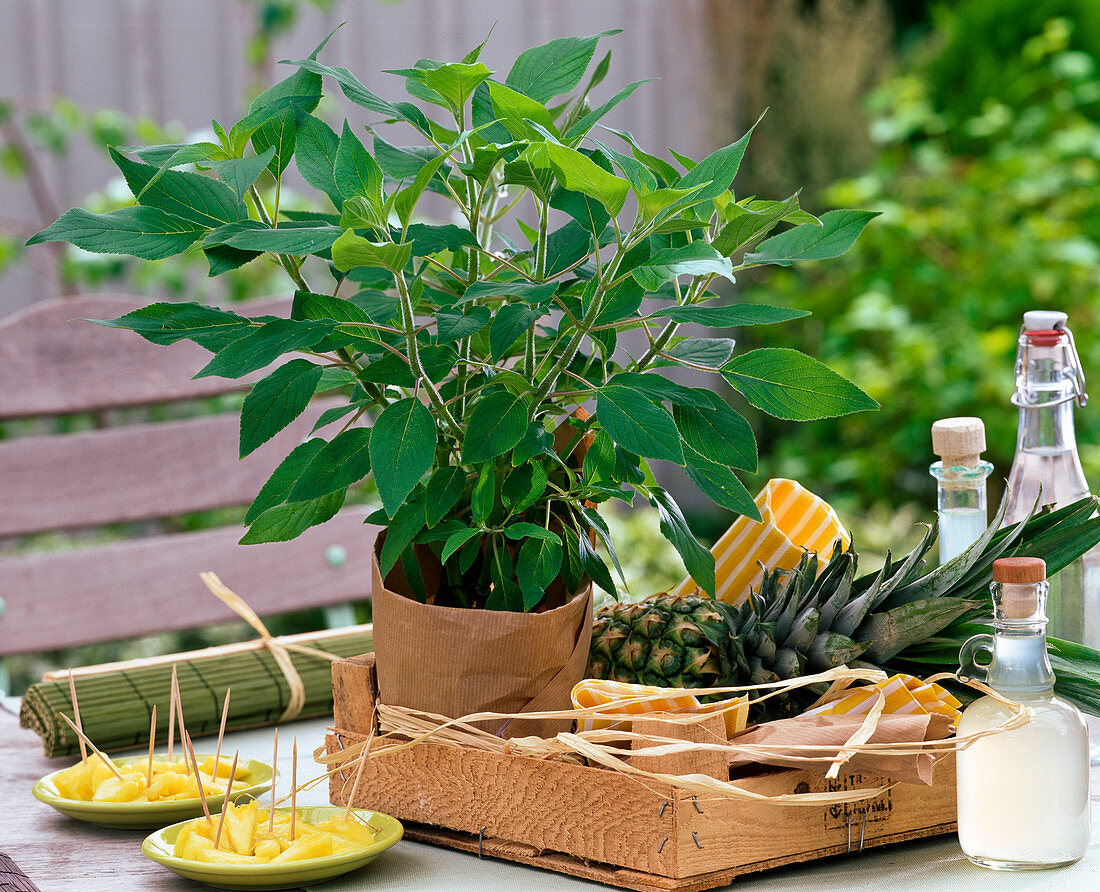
x=226, y=803
x=94, y=748
x=274, y=763
x=221, y=734
x=198, y=780
x=172, y=716
x=179, y=710
x=76, y=715
x=355, y=783
x=293, y=786
x=152, y=741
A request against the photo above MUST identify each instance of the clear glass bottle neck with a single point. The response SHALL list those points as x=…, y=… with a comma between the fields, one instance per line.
x=1020, y=665
x=1045, y=377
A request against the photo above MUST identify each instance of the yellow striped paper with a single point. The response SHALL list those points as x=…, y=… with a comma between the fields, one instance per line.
x=905, y=695
x=639, y=699
x=793, y=519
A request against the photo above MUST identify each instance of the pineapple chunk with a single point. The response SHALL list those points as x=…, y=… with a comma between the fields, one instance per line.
x=206, y=766
x=266, y=849
x=166, y=785
x=240, y=827
x=75, y=782
x=349, y=834
x=129, y=788
x=308, y=845
x=199, y=848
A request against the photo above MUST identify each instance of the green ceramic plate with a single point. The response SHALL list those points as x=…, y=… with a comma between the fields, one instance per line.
x=148, y=815
x=288, y=875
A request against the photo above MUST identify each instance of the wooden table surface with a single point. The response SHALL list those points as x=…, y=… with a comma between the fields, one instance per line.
x=61, y=855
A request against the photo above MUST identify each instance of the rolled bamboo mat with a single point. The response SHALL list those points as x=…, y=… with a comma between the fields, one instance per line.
x=116, y=699
x=12, y=879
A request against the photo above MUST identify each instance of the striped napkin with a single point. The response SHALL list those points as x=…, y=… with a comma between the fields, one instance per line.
x=904, y=694
x=640, y=699
x=793, y=519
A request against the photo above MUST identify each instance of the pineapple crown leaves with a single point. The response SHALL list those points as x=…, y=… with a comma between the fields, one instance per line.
x=461, y=352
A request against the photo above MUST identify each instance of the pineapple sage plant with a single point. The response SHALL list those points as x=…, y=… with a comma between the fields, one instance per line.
x=466, y=349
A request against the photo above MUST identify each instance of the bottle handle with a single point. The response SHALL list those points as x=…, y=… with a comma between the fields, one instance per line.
x=969, y=668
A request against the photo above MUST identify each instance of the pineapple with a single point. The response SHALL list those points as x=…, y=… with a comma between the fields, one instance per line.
x=799, y=622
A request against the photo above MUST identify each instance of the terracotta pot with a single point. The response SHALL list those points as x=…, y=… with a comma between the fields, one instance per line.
x=454, y=661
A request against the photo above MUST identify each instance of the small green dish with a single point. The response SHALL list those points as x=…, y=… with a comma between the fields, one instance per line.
x=147, y=815
x=287, y=875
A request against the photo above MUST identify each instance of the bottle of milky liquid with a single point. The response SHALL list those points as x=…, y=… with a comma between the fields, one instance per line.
x=960, y=477
x=1023, y=795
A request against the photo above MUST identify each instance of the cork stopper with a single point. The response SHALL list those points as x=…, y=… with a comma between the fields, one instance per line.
x=1019, y=570
x=959, y=442
x=1020, y=598
x=1044, y=320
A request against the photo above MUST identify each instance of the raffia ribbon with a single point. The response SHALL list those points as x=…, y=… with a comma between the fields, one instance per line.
x=403, y=728
x=280, y=650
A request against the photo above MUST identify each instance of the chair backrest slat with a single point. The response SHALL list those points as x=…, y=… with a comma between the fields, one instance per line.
x=68, y=598
x=137, y=472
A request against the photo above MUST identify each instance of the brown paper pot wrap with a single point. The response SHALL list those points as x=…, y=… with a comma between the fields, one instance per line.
x=455, y=662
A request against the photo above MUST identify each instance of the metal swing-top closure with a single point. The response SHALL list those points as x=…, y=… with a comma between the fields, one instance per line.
x=1044, y=328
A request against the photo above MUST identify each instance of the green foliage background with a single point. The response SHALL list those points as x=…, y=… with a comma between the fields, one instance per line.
x=925, y=311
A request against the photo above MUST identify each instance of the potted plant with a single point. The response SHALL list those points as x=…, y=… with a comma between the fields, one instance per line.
x=576, y=271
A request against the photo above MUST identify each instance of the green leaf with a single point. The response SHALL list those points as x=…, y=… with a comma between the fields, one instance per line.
x=587, y=211
x=486, y=157
x=406, y=199
x=189, y=196
x=553, y=68
x=166, y=323
x=335, y=414
x=565, y=246
x=443, y=492
x=538, y=565
x=402, y=448
x=452, y=324
x=637, y=423
x=659, y=388
x=221, y=258
x=790, y=385
x=263, y=345
x=578, y=172
x=351, y=250
x=721, y=484
x=693, y=259
x=732, y=315
x=525, y=291
x=144, y=232
x=483, y=497
x=666, y=174
x=240, y=173
x=427, y=239
x=524, y=530
x=524, y=486
x=497, y=423
x=593, y=564
x=456, y=81
x=360, y=95
x=712, y=353
x=641, y=179
x=315, y=150
x=400, y=532
x=278, y=486
x=301, y=91
x=456, y=541
x=173, y=155
x=513, y=109
x=717, y=169
x=587, y=121
x=718, y=433
x=340, y=463
x=509, y=324
x=275, y=401
x=537, y=440
x=437, y=360
x=698, y=560
x=836, y=234
x=308, y=305
x=289, y=238
x=284, y=522
x=355, y=172
x=750, y=223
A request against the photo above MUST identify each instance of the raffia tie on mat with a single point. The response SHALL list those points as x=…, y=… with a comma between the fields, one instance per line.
x=280, y=650
x=402, y=728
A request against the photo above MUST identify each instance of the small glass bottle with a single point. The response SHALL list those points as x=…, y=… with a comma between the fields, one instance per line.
x=960, y=475
x=1023, y=795
x=1049, y=380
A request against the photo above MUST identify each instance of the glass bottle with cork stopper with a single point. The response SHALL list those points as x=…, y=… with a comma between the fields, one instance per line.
x=960, y=476
x=1023, y=794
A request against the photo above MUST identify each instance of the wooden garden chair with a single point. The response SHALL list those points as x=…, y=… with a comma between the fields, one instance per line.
x=52, y=366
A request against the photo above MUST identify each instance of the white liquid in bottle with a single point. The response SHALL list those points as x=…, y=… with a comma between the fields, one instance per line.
x=1023, y=795
x=959, y=529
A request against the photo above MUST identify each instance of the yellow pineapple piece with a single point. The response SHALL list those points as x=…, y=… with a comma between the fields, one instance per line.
x=307, y=845
x=100, y=771
x=206, y=766
x=240, y=827
x=199, y=848
x=349, y=834
x=129, y=788
x=166, y=785
x=75, y=782
x=266, y=849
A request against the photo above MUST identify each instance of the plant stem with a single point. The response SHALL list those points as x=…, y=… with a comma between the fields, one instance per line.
x=408, y=318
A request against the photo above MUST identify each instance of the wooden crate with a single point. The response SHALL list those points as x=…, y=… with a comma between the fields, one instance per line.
x=606, y=826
